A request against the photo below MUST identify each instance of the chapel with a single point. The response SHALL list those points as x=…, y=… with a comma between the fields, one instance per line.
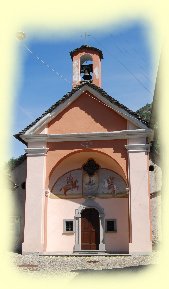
x=87, y=171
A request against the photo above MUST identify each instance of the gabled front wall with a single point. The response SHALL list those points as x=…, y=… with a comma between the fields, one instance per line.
x=87, y=114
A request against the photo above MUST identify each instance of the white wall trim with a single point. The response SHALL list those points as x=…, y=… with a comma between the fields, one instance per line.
x=39, y=124
x=123, y=134
x=138, y=147
x=36, y=151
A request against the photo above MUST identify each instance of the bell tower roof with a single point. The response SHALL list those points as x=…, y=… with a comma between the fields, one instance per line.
x=86, y=48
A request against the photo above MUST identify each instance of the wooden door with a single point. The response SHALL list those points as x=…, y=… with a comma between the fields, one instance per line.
x=90, y=229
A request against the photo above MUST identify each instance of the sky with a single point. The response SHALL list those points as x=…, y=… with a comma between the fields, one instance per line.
x=129, y=70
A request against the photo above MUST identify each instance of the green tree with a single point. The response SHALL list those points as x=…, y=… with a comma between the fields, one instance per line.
x=148, y=113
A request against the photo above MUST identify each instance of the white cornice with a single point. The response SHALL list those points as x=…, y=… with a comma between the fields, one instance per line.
x=36, y=151
x=39, y=124
x=137, y=147
x=123, y=134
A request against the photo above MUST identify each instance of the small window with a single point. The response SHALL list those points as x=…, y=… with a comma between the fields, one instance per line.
x=111, y=226
x=68, y=226
x=23, y=185
x=151, y=168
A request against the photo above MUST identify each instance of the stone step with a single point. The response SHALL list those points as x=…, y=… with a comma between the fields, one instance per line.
x=89, y=252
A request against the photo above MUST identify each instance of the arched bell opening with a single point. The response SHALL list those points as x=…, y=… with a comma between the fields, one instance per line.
x=86, y=68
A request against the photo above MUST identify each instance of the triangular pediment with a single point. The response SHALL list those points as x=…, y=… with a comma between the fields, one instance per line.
x=86, y=103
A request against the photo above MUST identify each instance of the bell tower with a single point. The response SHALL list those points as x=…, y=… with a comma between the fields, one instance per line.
x=86, y=65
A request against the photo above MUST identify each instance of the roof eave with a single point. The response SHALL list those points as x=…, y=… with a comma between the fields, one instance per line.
x=18, y=137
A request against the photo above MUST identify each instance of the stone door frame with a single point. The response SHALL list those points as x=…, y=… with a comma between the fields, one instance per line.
x=89, y=203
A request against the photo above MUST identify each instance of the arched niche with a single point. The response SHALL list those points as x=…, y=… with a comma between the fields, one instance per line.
x=75, y=161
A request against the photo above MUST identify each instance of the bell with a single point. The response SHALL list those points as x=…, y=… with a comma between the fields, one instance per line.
x=87, y=75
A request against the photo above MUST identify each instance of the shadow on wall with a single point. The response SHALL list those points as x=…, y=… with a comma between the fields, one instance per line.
x=95, y=115
x=18, y=197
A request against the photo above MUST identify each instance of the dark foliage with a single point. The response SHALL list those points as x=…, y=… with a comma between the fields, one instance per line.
x=12, y=163
x=146, y=113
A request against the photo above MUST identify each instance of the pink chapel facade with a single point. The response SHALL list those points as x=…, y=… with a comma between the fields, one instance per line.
x=87, y=184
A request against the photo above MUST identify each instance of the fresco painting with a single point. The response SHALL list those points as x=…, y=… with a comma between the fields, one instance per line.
x=77, y=183
x=111, y=184
x=69, y=185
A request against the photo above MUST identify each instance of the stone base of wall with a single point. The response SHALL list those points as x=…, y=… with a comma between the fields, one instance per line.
x=155, y=205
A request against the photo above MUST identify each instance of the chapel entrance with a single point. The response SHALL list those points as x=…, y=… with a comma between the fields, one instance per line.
x=90, y=229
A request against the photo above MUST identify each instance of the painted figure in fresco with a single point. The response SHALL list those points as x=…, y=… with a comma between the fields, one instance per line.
x=109, y=184
x=90, y=184
x=70, y=185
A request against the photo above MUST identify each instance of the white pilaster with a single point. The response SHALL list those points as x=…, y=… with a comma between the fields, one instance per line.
x=35, y=196
x=140, y=225
x=102, y=244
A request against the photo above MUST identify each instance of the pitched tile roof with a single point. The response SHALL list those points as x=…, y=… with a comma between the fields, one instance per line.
x=87, y=47
x=69, y=94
